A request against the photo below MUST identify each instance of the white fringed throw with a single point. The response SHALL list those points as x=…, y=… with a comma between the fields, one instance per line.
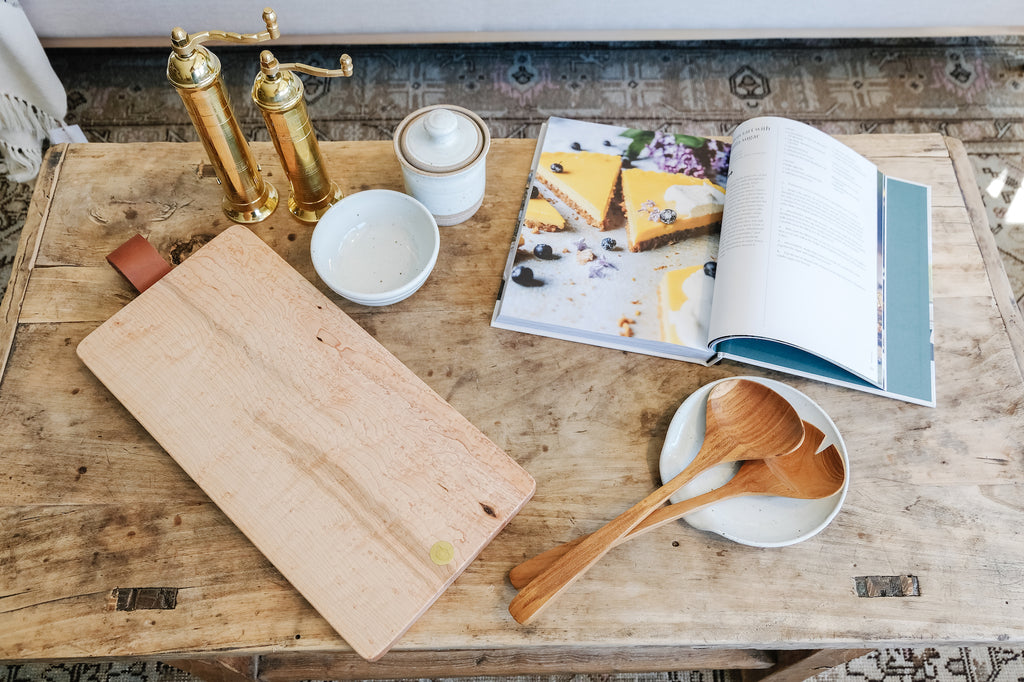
x=32, y=98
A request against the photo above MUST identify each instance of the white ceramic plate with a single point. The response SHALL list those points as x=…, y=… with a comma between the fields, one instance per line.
x=758, y=521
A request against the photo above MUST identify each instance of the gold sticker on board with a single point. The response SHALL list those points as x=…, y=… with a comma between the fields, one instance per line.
x=442, y=552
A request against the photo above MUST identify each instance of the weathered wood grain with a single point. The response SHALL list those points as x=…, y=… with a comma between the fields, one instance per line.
x=1004, y=298
x=28, y=246
x=482, y=662
x=935, y=493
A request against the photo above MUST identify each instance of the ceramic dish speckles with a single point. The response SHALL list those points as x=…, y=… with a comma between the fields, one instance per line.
x=758, y=521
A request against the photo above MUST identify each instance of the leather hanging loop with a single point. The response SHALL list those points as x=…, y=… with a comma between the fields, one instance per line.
x=139, y=262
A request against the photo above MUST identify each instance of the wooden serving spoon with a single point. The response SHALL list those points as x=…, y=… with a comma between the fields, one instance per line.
x=802, y=474
x=745, y=420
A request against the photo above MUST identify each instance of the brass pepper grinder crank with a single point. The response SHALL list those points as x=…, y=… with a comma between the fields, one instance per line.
x=196, y=74
x=278, y=92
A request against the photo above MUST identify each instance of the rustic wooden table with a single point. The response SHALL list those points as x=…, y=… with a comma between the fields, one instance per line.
x=107, y=549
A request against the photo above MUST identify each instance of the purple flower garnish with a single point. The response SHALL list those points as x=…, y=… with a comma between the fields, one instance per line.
x=600, y=267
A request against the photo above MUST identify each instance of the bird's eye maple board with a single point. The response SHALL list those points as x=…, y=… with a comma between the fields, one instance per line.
x=362, y=486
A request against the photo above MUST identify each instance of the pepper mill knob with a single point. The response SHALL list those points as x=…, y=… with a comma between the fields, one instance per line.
x=270, y=19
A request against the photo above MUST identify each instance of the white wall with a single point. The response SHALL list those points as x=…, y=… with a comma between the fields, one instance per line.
x=368, y=21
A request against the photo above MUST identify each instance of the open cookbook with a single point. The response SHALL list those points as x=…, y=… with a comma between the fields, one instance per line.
x=781, y=248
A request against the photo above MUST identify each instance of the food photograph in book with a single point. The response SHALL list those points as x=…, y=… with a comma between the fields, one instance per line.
x=619, y=236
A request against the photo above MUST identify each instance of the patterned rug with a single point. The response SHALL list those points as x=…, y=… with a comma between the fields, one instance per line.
x=945, y=664
x=972, y=89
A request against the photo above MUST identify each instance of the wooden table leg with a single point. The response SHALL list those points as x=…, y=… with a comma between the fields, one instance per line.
x=240, y=669
x=801, y=664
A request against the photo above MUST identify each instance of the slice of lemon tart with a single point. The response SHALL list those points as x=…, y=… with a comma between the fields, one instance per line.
x=584, y=181
x=542, y=217
x=684, y=306
x=662, y=208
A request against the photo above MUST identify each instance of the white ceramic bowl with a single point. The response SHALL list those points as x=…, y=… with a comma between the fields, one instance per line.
x=375, y=247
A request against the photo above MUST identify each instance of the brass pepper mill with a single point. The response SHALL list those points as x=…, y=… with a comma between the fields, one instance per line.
x=196, y=73
x=278, y=92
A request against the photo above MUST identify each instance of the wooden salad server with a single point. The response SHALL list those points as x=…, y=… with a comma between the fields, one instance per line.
x=803, y=474
x=745, y=420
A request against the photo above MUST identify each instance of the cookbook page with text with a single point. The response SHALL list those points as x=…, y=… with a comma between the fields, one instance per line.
x=798, y=259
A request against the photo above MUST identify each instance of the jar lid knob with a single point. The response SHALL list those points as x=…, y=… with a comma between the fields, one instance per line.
x=441, y=125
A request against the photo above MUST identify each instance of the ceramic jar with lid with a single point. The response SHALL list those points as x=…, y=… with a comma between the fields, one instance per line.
x=443, y=152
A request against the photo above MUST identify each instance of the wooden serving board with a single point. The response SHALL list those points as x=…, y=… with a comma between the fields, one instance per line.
x=362, y=486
